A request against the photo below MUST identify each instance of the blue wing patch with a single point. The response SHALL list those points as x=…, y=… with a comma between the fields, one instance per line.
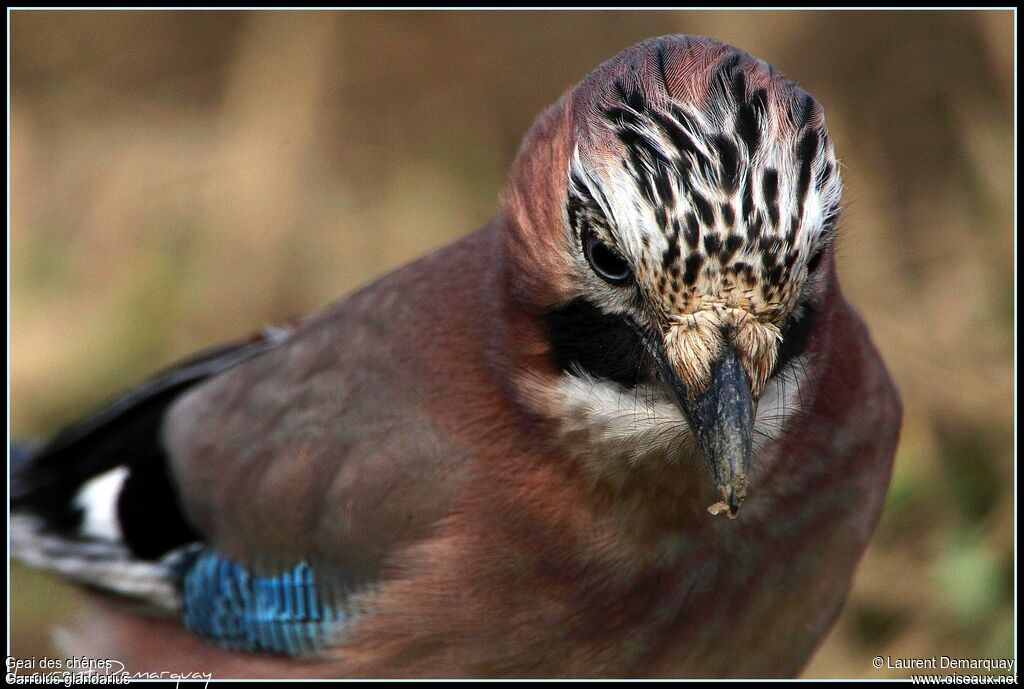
x=283, y=614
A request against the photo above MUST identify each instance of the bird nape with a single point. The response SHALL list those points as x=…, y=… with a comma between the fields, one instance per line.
x=499, y=459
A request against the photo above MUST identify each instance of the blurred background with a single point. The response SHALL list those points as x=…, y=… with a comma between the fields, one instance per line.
x=178, y=179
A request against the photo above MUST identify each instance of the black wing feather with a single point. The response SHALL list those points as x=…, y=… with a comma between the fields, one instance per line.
x=126, y=432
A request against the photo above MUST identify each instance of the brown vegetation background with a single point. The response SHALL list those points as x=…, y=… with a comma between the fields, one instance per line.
x=180, y=178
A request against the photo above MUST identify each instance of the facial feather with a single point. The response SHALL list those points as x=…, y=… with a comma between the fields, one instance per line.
x=719, y=192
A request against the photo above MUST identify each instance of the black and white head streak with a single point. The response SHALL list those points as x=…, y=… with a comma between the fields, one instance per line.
x=713, y=176
x=719, y=199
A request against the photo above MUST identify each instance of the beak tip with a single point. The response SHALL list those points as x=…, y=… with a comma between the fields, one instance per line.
x=722, y=507
x=733, y=495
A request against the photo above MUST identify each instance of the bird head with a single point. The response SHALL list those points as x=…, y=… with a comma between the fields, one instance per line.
x=673, y=217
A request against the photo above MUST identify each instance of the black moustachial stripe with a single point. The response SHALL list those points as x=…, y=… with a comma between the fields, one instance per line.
x=795, y=336
x=584, y=338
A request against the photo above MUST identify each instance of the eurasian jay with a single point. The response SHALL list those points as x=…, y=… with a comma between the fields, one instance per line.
x=631, y=427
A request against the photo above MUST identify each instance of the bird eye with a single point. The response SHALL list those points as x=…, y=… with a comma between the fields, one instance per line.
x=605, y=262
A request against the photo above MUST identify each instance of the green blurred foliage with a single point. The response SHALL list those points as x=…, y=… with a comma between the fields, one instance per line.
x=179, y=178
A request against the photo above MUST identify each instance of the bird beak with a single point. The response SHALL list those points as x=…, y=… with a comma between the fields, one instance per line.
x=722, y=419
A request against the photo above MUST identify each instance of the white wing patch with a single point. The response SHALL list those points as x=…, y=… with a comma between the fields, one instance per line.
x=97, y=498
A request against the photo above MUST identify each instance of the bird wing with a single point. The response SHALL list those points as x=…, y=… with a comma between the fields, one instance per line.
x=271, y=479
x=308, y=467
x=321, y=449
x=48, y=479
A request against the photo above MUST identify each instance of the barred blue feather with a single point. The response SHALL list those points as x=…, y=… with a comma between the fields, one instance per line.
x=282, y=614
